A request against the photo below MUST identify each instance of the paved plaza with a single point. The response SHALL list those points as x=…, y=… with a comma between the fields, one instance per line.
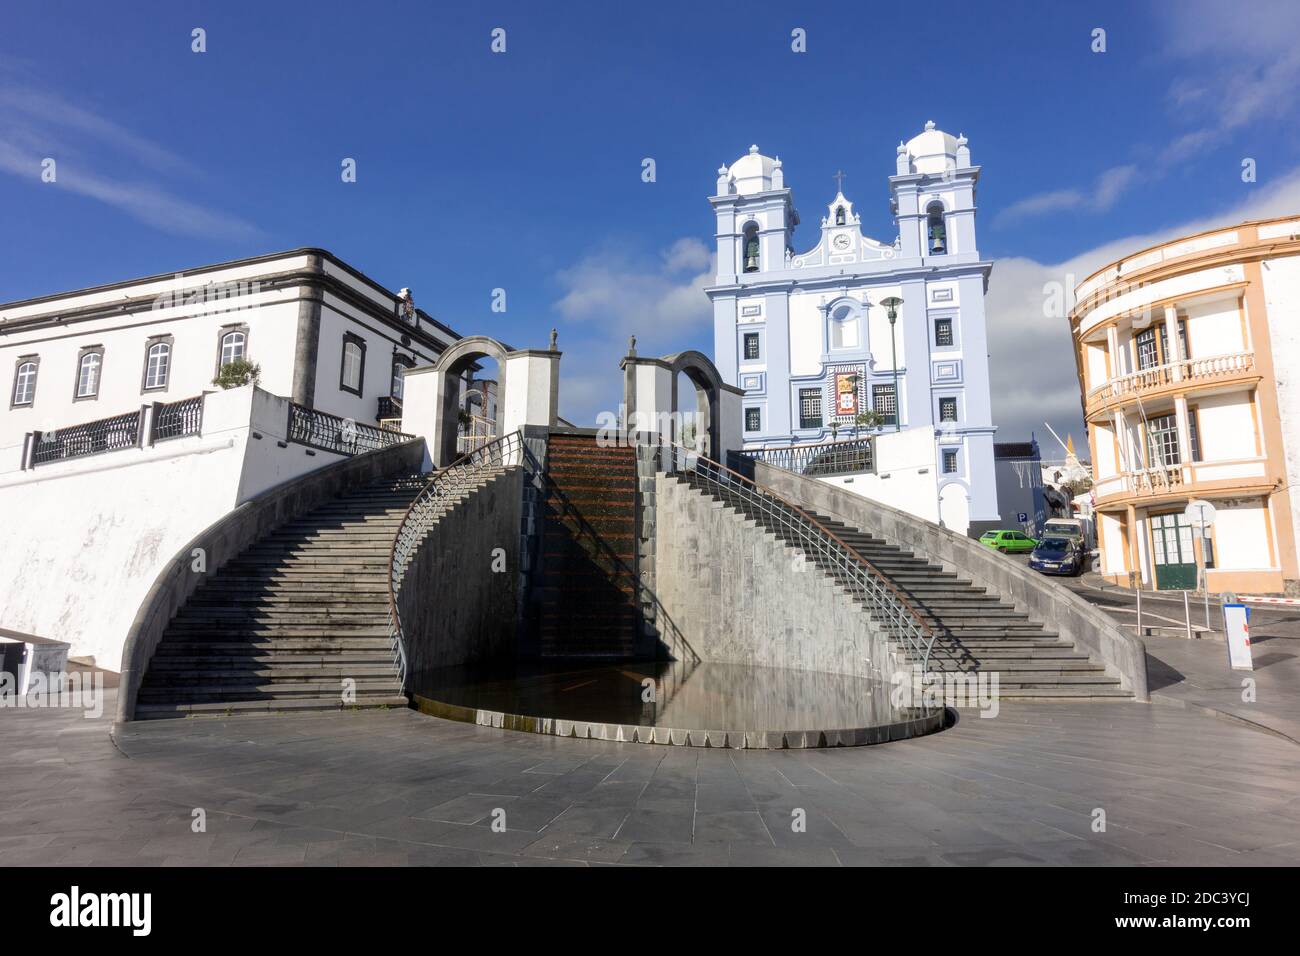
x=394, y=787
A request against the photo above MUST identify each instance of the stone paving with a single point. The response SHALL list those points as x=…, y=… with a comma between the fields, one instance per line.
x=395, y=787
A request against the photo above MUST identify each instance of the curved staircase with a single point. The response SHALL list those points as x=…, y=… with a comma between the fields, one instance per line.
x=287, y=623
x=975, y=632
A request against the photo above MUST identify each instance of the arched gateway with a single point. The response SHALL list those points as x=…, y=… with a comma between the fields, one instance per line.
x=650, y=399
x=527, y=391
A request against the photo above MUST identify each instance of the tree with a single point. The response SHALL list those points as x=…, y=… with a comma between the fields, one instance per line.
x=238, y=373
x=869, y=419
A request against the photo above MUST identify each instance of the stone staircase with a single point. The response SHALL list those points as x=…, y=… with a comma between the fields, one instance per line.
x=284, y=624
x=977, y=632
x=587, y=587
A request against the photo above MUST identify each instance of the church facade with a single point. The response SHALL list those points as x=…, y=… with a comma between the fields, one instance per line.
x=817, y=338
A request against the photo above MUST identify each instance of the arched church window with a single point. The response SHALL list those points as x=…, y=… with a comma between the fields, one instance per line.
x=937, y=231
x=839, y=215
x=844, y=329
x=751, y=247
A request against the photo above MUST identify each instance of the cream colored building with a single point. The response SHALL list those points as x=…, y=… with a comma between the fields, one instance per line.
x=1188, y=356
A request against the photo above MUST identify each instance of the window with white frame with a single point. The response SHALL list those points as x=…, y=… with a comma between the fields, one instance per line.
x=25, y=382
x=88, y=369
x=751, y=346
x=948, y=409
x=885, y=402
x=810, y=408
x=157, y=365
x=232, y=347
x=351, y=373
x=943, y=332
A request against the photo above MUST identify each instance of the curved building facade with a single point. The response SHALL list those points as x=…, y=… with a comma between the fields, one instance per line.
x=1187, y=356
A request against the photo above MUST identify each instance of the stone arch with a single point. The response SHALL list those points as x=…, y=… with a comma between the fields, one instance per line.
x=703, y=374
x=451, y=365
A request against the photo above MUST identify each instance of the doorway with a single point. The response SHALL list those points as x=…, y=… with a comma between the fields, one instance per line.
x=1172, y=553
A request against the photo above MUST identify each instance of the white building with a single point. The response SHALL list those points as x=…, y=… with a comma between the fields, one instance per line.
x=1187, y=355
x=116, y=448
x=819, y=333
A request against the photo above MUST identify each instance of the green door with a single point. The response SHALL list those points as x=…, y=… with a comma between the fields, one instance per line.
x=1171, y=549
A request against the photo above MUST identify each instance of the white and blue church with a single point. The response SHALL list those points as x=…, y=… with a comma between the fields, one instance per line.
x=816, y=338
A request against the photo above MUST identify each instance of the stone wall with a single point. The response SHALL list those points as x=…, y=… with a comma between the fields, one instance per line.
x=455, y=608
x=1055, y=606
x=739, y=595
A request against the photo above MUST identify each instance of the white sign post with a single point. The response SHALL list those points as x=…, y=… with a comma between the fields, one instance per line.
x=1199, y=513
x=1236, y=620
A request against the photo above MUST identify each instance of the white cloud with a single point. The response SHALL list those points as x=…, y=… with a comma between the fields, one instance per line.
x=612, y=294
x=1102, y=196
x=1032, y=365
x=35, y=125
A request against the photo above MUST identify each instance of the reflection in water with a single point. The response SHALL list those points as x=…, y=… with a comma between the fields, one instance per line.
x=707, y=696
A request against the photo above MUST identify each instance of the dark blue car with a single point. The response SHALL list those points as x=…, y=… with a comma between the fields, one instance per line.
x=1057, y=555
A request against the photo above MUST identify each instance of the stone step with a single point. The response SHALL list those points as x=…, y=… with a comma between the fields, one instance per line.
x=145, y=711
x=225, y=646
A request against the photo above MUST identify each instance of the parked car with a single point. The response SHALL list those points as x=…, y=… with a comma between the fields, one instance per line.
x=1069, y=528
x=1058, y=555
x=1008, y=542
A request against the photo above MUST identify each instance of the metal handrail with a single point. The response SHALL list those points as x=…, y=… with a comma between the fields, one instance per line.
x=424, y=511
x=854, y=456
x=884, y=601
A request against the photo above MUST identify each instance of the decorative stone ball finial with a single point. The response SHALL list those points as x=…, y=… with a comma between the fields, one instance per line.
x=902, y=147
x=722, y=170
x=961, y=139
x=753, y=149
x=929, y=125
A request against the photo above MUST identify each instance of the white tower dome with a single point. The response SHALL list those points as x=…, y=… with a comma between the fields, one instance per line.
x=933, y=151
x=755, y=173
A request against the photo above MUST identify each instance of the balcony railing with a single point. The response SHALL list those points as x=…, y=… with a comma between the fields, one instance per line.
x=89, y=438
x=820, y=460
x=177, y=419
x=1194, y=371
x=343, y=436
x=389, y=408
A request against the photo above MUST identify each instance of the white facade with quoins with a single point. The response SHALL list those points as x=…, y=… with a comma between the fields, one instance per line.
x=807, y=333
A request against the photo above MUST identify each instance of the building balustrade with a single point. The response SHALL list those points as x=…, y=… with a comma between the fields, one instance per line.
x=820, y=460
x=343, y=436
x=147, y=424
x=1190, y=478
x=1158, y=377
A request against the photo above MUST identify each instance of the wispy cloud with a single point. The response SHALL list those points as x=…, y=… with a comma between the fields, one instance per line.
x=1103, y=194
x=90, y=150
x=612, y=294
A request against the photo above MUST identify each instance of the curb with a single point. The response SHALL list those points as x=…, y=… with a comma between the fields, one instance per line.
x=1158, y=698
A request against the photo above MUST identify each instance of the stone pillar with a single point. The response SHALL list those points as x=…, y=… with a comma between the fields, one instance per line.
x=1175, y=346
x=531, y=389
x=648, y=397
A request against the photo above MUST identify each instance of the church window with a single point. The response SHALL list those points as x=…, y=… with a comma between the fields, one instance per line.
x=233, y=345
x=839, y=215
x=885, y=403
x=844, y=329
x=810, y=408
x=948, y=409
x=751, y=345
x=936, y=230
x=753, y=419
x=950, y=461
x=943, y=332
x=751, y=247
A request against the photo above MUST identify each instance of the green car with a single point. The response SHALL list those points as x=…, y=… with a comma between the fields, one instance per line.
x=1008, y=542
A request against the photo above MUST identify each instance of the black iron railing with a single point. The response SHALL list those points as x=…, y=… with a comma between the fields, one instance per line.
x=344, y=436
x=389, y=408
x=177, y=419
x=90, y=438
x=821, y=460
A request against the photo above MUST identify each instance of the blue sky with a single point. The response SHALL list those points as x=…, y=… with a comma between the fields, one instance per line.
x=522, y=170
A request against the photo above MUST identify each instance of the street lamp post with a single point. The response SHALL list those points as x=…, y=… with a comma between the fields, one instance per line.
x=891, y=304
x=853, y=383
